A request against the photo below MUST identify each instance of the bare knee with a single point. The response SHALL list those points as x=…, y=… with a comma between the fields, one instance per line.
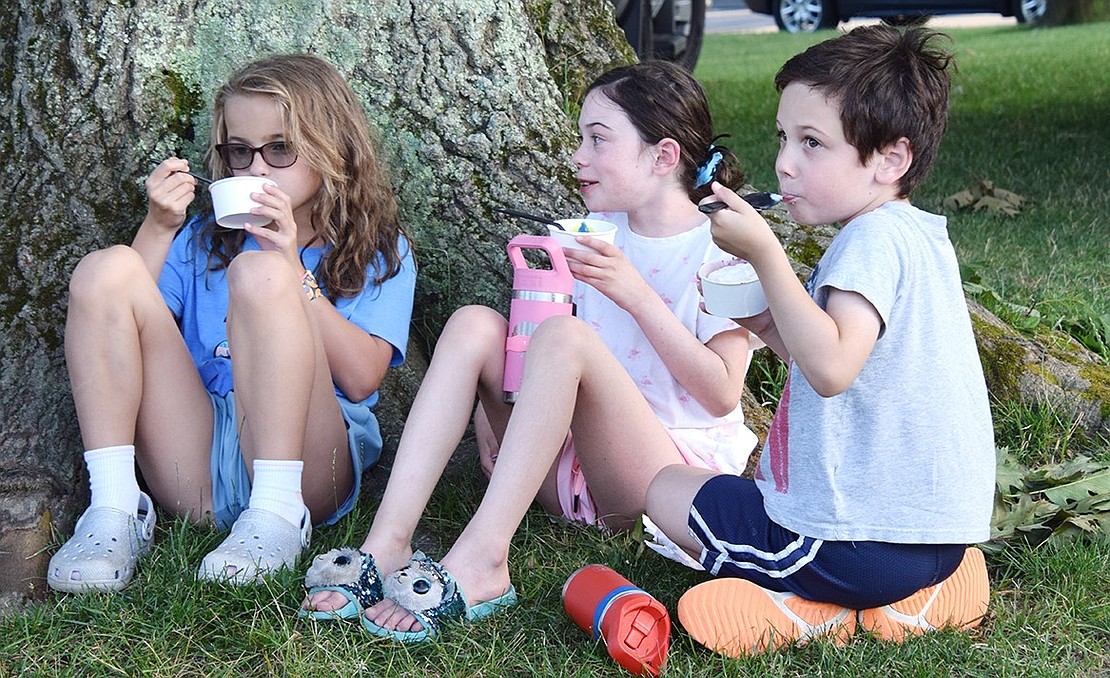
x=104, y=275
x=567, y=335
x=257, y=277
x=474, y=324
x=671, y=493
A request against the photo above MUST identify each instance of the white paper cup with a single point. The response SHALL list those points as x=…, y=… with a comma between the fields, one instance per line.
x=731, y=289
x=594, y=228
x=231, y=200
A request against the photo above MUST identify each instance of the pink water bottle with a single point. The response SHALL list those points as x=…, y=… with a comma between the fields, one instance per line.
x=538, y=294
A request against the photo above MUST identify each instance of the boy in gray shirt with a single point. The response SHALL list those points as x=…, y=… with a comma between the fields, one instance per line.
x=878, y=470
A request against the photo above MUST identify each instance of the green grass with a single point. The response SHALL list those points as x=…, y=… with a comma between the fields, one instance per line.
x=1030, y=111
x=1031, y=114
x=1049, y=616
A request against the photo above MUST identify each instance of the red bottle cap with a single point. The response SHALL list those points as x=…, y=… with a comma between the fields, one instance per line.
x=637, y=633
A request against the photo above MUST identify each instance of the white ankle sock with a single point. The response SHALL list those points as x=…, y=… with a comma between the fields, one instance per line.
x=112, y=481
x=277, y=488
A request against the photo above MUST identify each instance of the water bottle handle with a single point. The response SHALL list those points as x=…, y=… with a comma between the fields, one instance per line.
x=546, y=243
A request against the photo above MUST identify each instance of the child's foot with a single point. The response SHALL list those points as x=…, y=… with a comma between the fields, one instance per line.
x=477, y=585
x=325, y=599
x=957, y=602
x=260, y=542
x=736, y=617
x=423, y=597
x=104, y=549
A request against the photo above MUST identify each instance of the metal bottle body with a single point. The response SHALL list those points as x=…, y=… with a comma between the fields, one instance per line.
x=538, y=294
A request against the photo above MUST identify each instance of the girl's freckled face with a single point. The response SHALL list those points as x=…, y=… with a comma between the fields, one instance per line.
x=612, y=159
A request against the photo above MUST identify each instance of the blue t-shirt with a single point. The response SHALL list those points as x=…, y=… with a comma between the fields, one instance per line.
x=197, y=297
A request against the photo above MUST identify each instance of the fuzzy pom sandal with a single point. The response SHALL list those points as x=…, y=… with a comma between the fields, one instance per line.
x=349, y=572
x=431, y=594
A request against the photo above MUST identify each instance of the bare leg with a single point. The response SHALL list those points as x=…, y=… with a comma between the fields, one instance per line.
x=469, y=355
x=470, y=351
x=133, y=380
x=571, y=381
x=283, y=389
x=669, y=498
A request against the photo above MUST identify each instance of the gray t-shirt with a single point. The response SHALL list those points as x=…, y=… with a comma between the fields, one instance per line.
x=906, y=453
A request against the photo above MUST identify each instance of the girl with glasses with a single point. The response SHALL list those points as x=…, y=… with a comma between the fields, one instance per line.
x=239, y=367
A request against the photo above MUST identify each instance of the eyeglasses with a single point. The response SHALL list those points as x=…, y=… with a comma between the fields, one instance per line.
x=277, y=154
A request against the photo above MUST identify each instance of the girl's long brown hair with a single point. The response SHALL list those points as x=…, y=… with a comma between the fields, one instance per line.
x=354, y=214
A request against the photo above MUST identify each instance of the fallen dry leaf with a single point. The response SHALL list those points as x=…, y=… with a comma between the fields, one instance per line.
x=984, y=196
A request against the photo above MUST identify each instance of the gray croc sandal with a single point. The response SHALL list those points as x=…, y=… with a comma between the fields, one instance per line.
x=104, y=549
x=349, y=572
x=260, y=543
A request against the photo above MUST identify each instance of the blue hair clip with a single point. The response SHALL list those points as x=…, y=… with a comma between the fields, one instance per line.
x=708, y=168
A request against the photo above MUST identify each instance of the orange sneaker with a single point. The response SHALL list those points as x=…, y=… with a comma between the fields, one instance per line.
x=958, y=602
x=736, y=617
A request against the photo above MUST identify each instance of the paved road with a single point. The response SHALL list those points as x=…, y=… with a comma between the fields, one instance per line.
x=733, y=16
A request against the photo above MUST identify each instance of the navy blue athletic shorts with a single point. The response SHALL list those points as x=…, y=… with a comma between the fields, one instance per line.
x=738, y=539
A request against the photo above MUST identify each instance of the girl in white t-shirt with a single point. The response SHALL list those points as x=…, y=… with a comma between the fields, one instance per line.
x=639, y=380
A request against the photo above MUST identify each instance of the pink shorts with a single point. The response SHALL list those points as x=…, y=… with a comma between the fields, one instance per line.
x=575, y=500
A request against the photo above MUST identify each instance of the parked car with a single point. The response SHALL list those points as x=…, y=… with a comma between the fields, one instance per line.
x=664, y=29
x=806, y=16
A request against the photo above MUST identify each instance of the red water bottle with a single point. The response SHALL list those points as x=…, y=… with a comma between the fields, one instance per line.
x=635, y=626
x=538, y=294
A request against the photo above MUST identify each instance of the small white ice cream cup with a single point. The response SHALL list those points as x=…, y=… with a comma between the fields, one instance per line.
x=594, y=228
x=231, y=200
x=731, y=289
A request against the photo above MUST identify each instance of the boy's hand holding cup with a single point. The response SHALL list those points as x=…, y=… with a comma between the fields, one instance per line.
x=731, y=289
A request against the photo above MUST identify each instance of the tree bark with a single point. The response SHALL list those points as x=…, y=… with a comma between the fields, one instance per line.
x=95, y=92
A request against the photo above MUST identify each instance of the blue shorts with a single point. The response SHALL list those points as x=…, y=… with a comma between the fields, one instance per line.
x=231, y=488
x=738, y=539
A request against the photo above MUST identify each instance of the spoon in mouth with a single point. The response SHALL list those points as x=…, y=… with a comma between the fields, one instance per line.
x=533, y=217
x=760, y=201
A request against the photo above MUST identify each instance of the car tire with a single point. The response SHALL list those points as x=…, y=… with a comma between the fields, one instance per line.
x=674, y=33
x=1030, y=11
x=804, y=16
x=637, y=24
x=679, y=32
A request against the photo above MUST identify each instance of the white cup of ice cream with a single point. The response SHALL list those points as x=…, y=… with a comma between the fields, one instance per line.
x=594, y=228
x=231, y=200
x=731, y=289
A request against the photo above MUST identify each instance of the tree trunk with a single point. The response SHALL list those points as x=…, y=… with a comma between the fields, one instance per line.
x=94, y=93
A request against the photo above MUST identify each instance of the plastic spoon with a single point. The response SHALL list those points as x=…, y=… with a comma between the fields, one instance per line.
x=195, y=176
x=533, y=217
x=760, y=201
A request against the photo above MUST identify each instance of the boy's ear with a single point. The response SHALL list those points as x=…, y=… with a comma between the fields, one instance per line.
x=894, y=161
